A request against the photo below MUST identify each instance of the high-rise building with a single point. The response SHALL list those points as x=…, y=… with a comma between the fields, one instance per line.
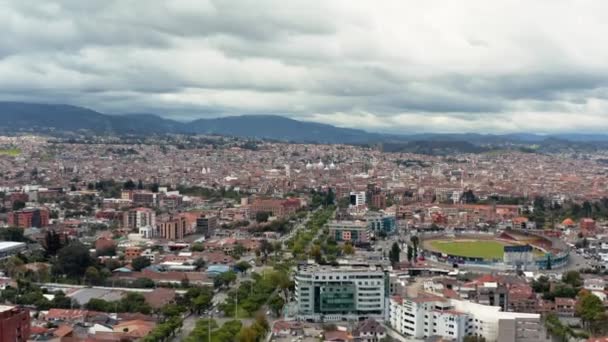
x=172, y=228
x=14, y=324
x=29, y=217
x=327, y=293
x=206, y=225
x=139, y=217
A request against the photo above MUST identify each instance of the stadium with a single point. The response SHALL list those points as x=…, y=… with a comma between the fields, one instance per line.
x=506, y=250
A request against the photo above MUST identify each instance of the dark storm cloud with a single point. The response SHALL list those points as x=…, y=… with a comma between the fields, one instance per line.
x=432, y=66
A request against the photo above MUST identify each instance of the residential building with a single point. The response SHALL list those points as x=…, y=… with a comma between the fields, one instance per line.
x=14, y=324
x=172, y=228
x=325, y=293
x=29, y=217
x=424, y=315
x=139, y=217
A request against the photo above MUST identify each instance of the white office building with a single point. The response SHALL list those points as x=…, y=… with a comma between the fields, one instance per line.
x=429, y=315
x=328, y=293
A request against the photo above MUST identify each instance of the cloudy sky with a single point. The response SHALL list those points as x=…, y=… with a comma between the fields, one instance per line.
x=395, y=66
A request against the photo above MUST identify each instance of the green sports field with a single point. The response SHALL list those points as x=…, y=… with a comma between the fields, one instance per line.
x=486, y=249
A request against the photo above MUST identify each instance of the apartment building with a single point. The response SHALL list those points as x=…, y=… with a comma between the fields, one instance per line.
x=425, y=315
x=29, y=217
x=139, y=217
x=172, y=228
x=333, y=293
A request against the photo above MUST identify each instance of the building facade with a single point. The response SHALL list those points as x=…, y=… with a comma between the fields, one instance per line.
x=139, y=217
x=352, y=231
x=206, y=225
x=173, y=228
x=426, y=315
x=335, y=293
x=14, y=324
x=29, y=217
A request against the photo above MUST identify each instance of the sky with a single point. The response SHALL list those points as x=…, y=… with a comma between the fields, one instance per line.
x=391, y=66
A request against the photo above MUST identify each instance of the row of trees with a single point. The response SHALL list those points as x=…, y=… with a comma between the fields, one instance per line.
x=208, y=330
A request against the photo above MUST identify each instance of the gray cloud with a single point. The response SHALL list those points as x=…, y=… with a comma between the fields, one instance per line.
x=400, y=66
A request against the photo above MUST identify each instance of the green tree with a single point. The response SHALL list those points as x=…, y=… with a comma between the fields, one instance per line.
x=12, y=234
x=591, y=311
x=262, y=216
x=92, y=275
x=410, y=253
x=572, y=278
x=140, y=263
x=394, y=253
x=242, y=266
x=348, y=249
x=72, y=260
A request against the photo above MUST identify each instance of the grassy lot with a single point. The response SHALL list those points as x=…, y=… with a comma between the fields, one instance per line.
x=13, y=152
x=477, y=249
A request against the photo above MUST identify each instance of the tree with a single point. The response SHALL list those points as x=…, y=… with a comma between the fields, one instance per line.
x=224, y=279
x=394, y=254
x=140, y=263
x=129, y=185
x=144, y=283
x=410, y=253
x=262, y=216
x=348, y=249
x=18, y=205
x=415, y=241
x=12, y=234
x=591, y=311
x=276, y=304
x=242, y=266
x=468, y=197
x=72, y=260
x=92, y=275
x=573, y=278
x=140, y=185
x=52, y=243
x=197, y=247
x=265, y=249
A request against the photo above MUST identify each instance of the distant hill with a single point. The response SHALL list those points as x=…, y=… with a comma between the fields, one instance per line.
x=30, y=117
x=60, y=118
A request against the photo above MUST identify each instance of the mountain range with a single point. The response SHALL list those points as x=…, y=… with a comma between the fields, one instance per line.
x=62, y=118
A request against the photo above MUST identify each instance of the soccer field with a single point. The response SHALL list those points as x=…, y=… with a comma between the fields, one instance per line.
x=486, y=249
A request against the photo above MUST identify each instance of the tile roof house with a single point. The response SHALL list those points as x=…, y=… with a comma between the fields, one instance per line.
x=369, y=331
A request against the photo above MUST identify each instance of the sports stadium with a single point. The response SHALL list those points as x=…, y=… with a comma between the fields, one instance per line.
x=506, y=250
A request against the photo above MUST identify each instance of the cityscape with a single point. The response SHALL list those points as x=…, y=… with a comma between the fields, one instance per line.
x=308, y=171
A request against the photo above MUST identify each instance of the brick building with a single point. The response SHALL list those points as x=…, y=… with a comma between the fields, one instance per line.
x=277, y=207
x=29, y=217
x=14, y=324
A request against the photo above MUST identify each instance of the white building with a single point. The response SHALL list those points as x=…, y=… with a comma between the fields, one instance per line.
x=357, y=198
x=429, y=315
x=327, y=293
